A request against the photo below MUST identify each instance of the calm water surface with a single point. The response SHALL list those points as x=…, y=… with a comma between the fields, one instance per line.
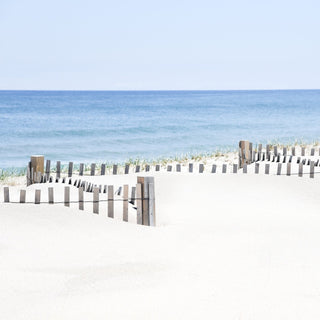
x=88, y=126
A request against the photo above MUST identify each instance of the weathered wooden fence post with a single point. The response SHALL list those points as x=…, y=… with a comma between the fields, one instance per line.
x=288, y=169
x=169, y=168
x=157, y=167
x=37, y=196
x=245, y=168
x=22, y=196
x=133, y=195
x=312, y=169
x=48, y=169
x=224, y=168
x=81, y=206
x=178, y=167
x=235, y=168
x=245, y=153
x=81, y=169
x=139, y=203
x=58, y=170
x=201, y=168
x=50, y=195
x=125, y=202
x=293, y=151
x=110, y=202
x=148, y=203
x=37, y=165
x=137, y=168
x=279, y=169
x=256, y=168
x=267, y=168
x=115, y=169
x=300, y=169
x=190, y=167
x=93, y=169
x=70, y=169
x=6, y=194
x=67, y=196
x=29, y=176
x=126, y=169
x=103, y=169
x=96, y=200
x=214, y=168
x=303, y=151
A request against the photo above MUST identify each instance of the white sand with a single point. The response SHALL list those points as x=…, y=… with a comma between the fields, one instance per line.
x=226, y=247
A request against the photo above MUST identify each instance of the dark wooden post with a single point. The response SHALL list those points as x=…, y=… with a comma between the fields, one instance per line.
x=67, y=196
x=148, y=203
x=6, y=194
x=70, y=169
x=245, y=153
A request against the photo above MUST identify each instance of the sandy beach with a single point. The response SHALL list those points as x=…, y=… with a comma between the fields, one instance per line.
x=226, y=246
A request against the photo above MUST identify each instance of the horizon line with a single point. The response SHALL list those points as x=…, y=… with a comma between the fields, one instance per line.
x=163, y=90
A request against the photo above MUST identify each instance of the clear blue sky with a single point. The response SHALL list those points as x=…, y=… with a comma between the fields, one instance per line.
x=136, y=45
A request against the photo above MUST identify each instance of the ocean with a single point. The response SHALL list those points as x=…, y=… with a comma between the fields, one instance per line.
x=115, y=126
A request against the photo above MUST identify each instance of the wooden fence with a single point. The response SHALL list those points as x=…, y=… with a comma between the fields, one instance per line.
x=142, y=198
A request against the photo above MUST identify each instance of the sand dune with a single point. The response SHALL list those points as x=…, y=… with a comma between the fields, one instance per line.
x=225, y=247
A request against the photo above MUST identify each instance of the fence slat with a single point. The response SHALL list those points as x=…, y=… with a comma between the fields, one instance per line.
x=81, y=169
x=245, y=168
x=158, y=167
x=178, y=167
x=235, y=168
x=201, y=168
x=190, y=167
x=279, y=168
x=151, y=196
x=267, y=168
x=147, y=167
x=312, y=169
x=224, y=168
x=93, y=169
x=137, y=168
x=67, y=196
x=70, y=169
x=214, y=168
x=133, y=195
x=50, y=195
x=300, y=169
x=110, y=202
x=126, y=169
x=139, y=203
x=37, y=196
x=81, y=203
x=96, y=200
x=22, y=196
x=256, y=168
x=103, y=169
x=303, y=151
x=6, y=194
x=288, y=169
x=125, y=202
x=115, y=169
x=48, y=168
x=169, y=168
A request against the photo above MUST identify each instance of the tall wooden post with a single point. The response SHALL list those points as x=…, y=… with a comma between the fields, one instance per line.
x=245, y=153
x=37, y=165
x=148, y=202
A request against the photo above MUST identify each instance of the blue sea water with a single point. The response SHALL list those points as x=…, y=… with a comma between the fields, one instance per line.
x=113, y=126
